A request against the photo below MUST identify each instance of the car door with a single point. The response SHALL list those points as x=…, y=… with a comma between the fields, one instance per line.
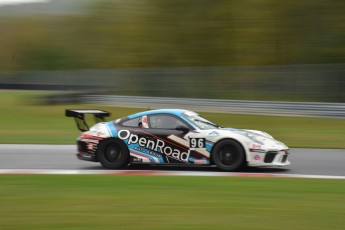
x=162, y=139
x=178, y=142
x=163, y=130
x=150, y=139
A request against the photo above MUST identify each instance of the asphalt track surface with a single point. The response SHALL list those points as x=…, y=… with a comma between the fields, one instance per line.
x=328, y=162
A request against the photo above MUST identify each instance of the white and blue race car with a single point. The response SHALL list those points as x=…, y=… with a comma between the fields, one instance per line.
x=173, y=136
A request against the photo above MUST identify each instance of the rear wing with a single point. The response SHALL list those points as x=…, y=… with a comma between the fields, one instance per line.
x=79, y=116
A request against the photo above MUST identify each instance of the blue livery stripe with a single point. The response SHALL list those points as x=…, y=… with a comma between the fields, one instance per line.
x=191, y=159
x=112, y=129
x=209, y=146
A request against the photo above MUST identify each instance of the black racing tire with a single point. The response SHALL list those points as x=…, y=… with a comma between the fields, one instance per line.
x=113, y=154
x=228, y=155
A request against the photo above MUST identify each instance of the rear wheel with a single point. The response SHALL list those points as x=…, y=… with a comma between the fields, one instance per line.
x=113, y=154
x=228, y=155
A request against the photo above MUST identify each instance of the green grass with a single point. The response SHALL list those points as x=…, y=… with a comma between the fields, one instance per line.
x=24, y=121
x=157, y=202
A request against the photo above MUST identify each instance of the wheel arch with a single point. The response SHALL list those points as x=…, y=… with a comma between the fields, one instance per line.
x=110, y=139
x=232, y=139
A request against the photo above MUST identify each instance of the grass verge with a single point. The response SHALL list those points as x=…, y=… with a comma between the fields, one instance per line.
x=23, y=121
x=157, y=202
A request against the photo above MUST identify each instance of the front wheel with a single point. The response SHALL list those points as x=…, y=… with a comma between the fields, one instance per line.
x=113, y=154
x=228, y=155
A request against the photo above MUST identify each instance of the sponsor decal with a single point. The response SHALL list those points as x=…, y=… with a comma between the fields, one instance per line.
x=256, y=146
x=200, y=162
x=143, y=150
x=257, y=158
x=135, y=159
x=155, y=145
x=142, y=157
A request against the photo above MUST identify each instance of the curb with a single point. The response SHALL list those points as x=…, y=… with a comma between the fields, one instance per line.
x=158, y=173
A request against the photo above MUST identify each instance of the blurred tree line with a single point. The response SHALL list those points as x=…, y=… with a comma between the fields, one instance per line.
x=175, y=33
x=272, y=50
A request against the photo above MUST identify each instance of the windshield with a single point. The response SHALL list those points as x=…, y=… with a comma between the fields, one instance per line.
x=200, y=122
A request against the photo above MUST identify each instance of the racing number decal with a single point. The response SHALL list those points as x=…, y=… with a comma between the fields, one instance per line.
x=197, y=142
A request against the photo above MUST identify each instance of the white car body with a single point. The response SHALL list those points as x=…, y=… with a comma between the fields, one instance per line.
x=196, y=142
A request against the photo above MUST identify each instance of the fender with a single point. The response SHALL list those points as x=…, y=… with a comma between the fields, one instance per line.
x=246, y=151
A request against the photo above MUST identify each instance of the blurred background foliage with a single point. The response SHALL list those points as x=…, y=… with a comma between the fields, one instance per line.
x=262, y=44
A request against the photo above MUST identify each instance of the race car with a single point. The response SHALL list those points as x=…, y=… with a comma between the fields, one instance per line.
x=173, y=136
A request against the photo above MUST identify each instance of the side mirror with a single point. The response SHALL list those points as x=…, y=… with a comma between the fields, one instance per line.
x=182, y=128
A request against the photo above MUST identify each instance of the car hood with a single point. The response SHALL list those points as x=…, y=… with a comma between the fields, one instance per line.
x=242, y=132
x=249, y=131
x=257, y=136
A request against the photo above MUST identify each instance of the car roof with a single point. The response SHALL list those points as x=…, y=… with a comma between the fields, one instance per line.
x=176, y=112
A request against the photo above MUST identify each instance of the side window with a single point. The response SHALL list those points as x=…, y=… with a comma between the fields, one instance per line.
x=135, y=122
x=164, y=122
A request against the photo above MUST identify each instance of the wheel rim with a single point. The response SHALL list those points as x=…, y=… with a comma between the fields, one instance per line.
x=228, y=155
x=113, y=153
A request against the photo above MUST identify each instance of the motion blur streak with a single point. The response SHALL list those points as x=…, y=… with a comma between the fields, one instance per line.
x=273, y=50
x=266, y=50
x=301, y=109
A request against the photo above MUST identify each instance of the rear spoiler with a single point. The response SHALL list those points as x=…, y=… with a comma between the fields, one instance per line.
x=79, y=116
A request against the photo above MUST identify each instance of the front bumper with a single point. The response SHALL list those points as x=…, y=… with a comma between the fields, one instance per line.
x=269, y=158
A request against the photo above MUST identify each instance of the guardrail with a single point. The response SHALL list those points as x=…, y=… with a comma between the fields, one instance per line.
x=304, y=109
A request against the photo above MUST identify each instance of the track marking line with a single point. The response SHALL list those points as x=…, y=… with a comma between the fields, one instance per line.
x=159, y=173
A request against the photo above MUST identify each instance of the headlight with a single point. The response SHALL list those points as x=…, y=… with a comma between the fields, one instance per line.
x=255, y=138
x=268, y=135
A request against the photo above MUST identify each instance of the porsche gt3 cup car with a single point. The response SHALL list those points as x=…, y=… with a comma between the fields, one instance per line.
x=173, y=136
